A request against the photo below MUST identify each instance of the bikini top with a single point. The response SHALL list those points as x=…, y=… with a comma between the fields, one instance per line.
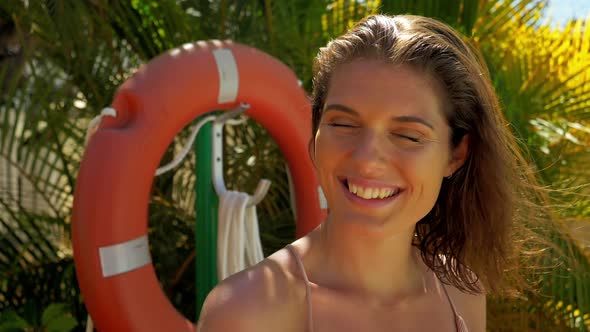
x=459, y=322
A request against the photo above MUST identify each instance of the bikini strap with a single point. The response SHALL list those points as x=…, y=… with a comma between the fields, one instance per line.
x=295, y=254
x=460, y=325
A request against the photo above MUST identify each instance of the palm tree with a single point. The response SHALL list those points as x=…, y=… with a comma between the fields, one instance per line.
x=60, y=63
x=546, y=100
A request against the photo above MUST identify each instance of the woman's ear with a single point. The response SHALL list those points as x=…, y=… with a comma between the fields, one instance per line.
x=458, y=156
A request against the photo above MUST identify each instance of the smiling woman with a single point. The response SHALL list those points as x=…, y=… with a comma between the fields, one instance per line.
x=422, y=179
x=383, y=132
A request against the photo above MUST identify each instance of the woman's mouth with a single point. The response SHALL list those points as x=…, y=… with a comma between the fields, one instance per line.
x=369, y=191
x=372, y=193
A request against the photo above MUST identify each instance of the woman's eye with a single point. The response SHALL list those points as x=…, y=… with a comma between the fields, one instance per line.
x=409, y=138
x=342, y=125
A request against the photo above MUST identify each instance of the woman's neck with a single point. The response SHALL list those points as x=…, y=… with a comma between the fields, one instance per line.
x=380, y=268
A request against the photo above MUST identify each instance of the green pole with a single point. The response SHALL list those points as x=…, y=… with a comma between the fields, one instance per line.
x=206, y=207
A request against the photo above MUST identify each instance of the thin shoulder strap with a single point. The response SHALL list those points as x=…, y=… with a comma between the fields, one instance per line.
x=460, y=325
x=307, y=286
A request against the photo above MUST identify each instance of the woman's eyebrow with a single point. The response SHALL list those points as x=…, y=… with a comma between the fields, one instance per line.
x=407, y=118
x=340, y=107
x=401, y=118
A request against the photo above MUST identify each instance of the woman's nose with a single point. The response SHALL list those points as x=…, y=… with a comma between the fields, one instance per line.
x=369, y=154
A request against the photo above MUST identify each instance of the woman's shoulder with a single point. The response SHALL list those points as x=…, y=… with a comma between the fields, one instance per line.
x=471, y=307
x=264, y=297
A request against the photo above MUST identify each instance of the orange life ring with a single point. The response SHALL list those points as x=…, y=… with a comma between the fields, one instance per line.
x=111, y=254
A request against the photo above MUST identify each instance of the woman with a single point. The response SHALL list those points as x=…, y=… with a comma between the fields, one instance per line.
x=421, y=175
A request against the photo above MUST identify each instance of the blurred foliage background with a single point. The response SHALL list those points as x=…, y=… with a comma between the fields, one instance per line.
x=62, y=61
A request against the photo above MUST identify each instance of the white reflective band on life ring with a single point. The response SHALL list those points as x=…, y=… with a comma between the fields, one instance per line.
x=228, y=75
x=124, y=257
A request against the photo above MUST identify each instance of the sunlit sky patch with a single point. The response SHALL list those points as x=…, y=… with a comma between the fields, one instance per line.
x=559, y=11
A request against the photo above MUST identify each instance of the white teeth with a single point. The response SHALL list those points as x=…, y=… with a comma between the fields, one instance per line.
x=385, y=193
x=360, y=191
x=372, y=193
x=376, y=193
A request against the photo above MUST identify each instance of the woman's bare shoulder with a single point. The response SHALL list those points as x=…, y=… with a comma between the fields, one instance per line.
x=472, y=307
x=264, y=297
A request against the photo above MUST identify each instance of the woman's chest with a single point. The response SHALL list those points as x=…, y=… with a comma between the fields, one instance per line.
x=338, y=313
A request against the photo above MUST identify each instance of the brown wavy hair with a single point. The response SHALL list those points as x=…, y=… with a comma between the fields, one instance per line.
x=470, y=237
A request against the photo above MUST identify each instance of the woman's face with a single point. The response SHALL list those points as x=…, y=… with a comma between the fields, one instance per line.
x=382, y=147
